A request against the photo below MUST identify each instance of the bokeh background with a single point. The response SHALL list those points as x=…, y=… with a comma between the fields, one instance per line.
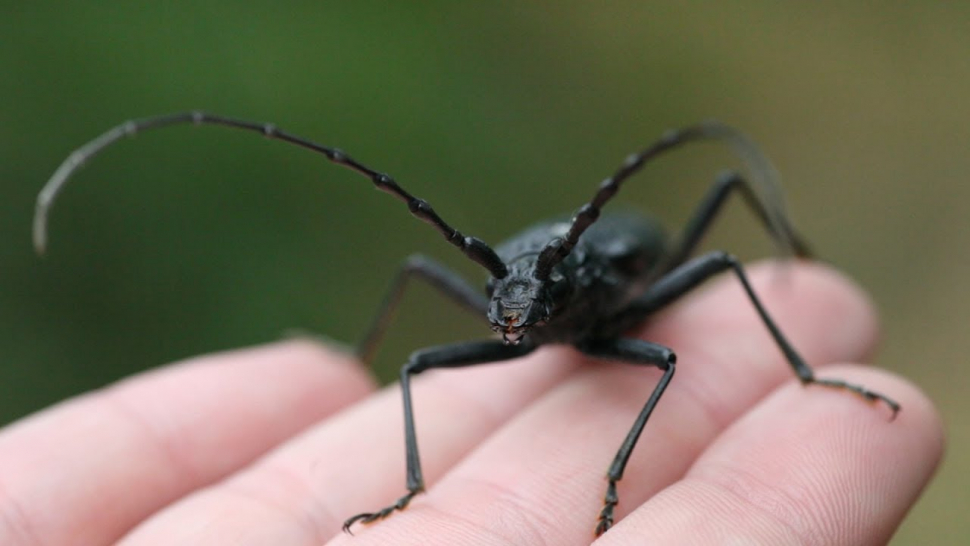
x=192, y=240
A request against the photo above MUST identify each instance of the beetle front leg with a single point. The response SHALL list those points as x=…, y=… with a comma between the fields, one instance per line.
x=633, y=351
x=446, y=356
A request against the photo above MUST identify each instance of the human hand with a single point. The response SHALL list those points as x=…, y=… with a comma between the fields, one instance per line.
x=279, y=445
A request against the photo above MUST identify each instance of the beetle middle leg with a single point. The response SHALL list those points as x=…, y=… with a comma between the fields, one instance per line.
x=438, y=276
x=664, y=291
x=634, y=351
x=689, y=275
x=445, y=356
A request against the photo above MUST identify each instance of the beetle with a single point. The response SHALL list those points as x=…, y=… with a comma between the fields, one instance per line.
x=583, y=281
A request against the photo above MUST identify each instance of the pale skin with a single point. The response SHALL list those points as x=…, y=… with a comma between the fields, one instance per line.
x=278, y=445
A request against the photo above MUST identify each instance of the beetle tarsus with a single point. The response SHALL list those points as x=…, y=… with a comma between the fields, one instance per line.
x=610, y=501
x=370, y=517
x=866, y=394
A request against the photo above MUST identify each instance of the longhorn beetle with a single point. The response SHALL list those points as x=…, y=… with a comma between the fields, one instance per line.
x=583, y=282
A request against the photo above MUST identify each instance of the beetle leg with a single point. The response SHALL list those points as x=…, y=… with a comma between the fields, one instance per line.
x=446, y=356
x=633, y=351
x=438, y=276
x=710, y=207
x=689, y=275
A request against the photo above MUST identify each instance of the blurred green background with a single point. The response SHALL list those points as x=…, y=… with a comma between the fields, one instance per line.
x=195, y=240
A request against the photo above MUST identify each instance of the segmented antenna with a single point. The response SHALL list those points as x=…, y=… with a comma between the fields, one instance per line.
x=763, y=175
x=473, y=248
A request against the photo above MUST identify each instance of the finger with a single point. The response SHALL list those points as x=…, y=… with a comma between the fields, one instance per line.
x=806, y=466
x=87, y=470
x=541, y=478
x=303, y=492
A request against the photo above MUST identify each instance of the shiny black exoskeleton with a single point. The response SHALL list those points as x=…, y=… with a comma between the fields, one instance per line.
x=583, y=281
x=586, y=294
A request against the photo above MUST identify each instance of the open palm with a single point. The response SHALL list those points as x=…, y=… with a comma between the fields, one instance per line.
x=279, y=445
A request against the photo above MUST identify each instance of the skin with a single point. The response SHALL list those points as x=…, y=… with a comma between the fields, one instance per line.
x=278, y=445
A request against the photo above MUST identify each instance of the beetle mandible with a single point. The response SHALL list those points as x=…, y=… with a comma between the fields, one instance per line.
x=584, y=282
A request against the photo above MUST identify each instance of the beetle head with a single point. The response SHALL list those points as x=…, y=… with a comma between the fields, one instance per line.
x=518, y=303
x=521, y=301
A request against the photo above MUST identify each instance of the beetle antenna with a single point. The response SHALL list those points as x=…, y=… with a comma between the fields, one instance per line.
x=473, y=248
x=764, y=178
